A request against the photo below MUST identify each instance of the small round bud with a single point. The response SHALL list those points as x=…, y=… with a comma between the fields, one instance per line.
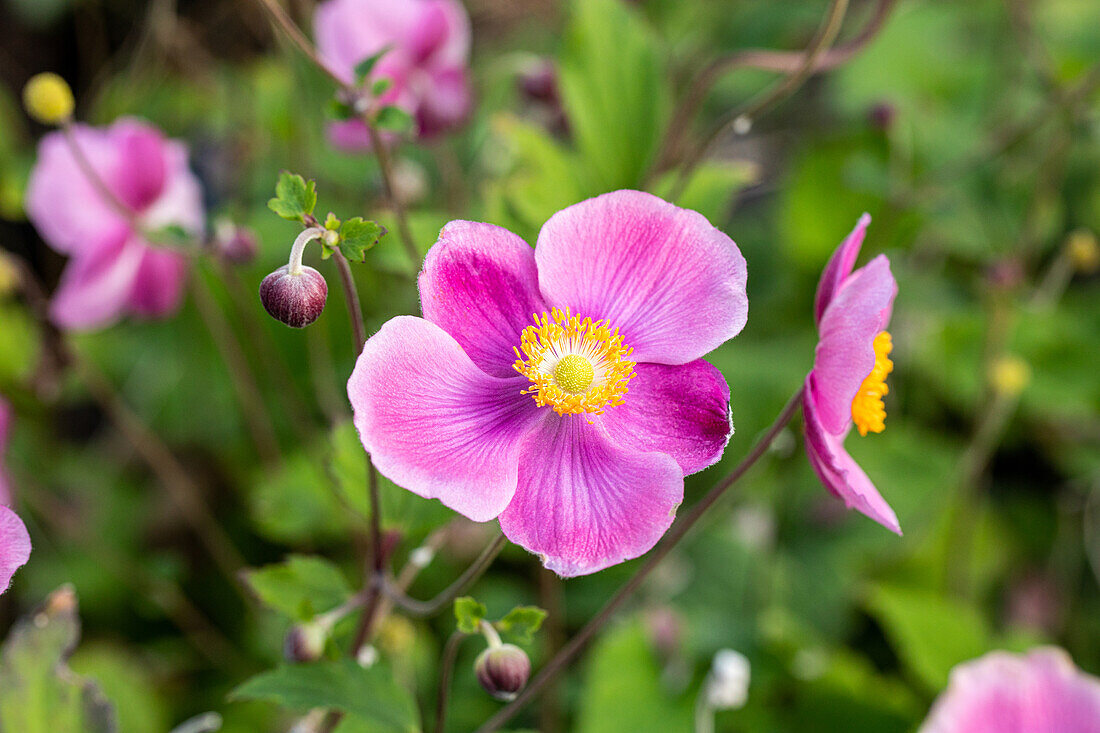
x=1009, y=375
x=296, y=299
x=503, y=670
x=727, y=686
x=539, y=81
x=1084, y=251
x=882, y=116
x=48, y=98
x=305, y=642
x=234, y=243
x=9, y=276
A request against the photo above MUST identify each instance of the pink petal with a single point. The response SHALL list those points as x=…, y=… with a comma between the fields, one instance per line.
x=670, y=282
x=840, y=474
x=682, y=410
x=845, y=353
x=180, y=202
x=15, y=546
x=158, y=284
x=450, y=34
x=1041, y=692
x=68, y=211
x=839, y=267
x=446, y=104
x=480, y=285
x=95, y=288
x=585, y=503
x=434, y=423
x=141, y=169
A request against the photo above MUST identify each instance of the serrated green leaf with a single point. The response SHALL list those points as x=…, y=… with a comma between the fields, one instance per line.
x=295, y=198
x=469, y=614
x=38, y=693
x=300, y=587
x=364, y=67
x=331, y=222
x=522, y=622
x=393, y=119
x=357, y=236
x=369, y=693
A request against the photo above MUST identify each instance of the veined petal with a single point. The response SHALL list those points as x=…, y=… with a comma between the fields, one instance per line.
x=671, y=283
x=1041, y=692
x=838, y=471
x=845, y=354
x=479, y=285
x=839, y=267
x=585, y=503
x=681, y=410
x=15, y=546
x=434, y=423
x=96, y=286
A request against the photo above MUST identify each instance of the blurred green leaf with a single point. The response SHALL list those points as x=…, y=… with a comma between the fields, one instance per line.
x=931, y=633
x=370, y=693
x=522, y=622
x=38, y=693
x=469, y=614
x=711, y=188
x=364, y=67
x=394, y=119
x=300, y=587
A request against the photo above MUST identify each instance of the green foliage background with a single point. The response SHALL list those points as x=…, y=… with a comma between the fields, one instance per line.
x=990, y=161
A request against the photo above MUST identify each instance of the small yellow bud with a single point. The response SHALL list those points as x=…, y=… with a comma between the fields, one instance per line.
x=9, y=276
x=1083, y=251
x=396, y=636
x=48, y=98
x=1009, y=375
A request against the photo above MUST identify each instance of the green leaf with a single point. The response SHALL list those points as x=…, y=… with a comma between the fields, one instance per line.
x=295, y=197
x=930, y=633
x=381, y=86
x=295, y=502
x=468, y=614
x=357, y=236
x=711, y=188
x=522, y=622
x=38, y=692
x=338, y=110
x=300, y=587
x=614, y=91
x=364, y=67
x=369, y=693
x=393, y=119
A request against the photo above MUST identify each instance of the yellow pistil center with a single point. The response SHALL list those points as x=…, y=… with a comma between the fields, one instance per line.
x=868, y=410
x=575, y=366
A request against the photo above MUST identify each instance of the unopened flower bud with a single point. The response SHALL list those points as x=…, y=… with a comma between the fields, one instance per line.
x=1009, y=375
x=305, y=642
x=1083, y=251
x=234, y=243
x=503, y=670
x=539, y=81
x=882, y=116
x=296, y=299
x=9, y=276
x=48, y=98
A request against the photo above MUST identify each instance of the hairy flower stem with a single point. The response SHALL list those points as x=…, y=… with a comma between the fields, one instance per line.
x=824, y=38
x=443, y=598
x=447, y=664
x=576, y=645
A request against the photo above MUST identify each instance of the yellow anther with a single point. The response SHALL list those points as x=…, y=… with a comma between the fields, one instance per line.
x=1009, y=375
x=868, y=409
x=48, y=99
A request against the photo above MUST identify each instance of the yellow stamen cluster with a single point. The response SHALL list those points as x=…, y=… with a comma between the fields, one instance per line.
x=868, y=410
x=575, y=366
x=48, y=99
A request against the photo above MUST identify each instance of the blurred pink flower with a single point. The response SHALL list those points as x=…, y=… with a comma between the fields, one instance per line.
x=1040, y=692
x=499, y=416
x=15, y=543
x=848, y=380
x=113, y=270
x=429, y=49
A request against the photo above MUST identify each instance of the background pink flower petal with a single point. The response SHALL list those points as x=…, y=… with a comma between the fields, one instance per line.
x=585, y=503
x=434, y=423
x=671, y=283
x=95, y=288
x=1040, y=692
x=479, y=284
x=845, y=353
x=681, y=410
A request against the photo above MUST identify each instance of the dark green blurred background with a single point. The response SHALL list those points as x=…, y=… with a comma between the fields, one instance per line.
x=969, y=130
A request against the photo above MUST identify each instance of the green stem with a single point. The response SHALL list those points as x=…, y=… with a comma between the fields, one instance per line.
x=443, y=598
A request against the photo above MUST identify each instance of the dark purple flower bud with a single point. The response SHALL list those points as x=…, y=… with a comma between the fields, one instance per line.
x=305, y=642
x=503, y=670
x=540, y=82
x=882, y=116
x=296, y=299
x=235, y=244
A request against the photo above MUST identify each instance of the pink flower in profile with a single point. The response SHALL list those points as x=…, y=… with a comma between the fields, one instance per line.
x=510, y=397
x=113, y=270
x=1040, y=692
x=429, y=48
x=15, y=543
x=848, y=380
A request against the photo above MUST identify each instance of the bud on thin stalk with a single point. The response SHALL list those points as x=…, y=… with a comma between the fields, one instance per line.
x=296, y=294
x=502, y=669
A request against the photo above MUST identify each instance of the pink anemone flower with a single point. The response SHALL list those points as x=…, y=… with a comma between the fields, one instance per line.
x=114, y=270
x=15, y=543
x=1040, y=692
x=848, y=380
x=560, y=389
x=429, y=48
